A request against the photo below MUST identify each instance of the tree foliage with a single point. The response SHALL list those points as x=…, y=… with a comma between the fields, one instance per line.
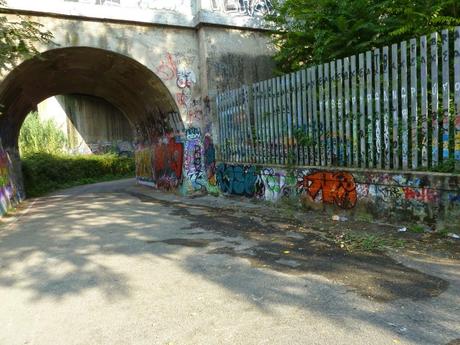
x=315, y=31
x=18, y=39
x=39, y=136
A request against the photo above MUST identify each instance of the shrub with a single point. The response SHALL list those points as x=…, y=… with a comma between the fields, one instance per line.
x=44, y=173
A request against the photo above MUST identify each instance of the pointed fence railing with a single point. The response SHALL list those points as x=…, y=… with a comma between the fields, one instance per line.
x=397, y=108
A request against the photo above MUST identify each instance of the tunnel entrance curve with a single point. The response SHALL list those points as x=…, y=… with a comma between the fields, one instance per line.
x=125, y=83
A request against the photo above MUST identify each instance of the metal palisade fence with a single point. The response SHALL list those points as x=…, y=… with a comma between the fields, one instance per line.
x=392, y=108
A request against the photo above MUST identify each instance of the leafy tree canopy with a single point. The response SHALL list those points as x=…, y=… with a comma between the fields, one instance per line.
x=17, y=39
x=316, y=31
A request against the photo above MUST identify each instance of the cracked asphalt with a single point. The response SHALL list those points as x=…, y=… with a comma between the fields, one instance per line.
x=116, y=263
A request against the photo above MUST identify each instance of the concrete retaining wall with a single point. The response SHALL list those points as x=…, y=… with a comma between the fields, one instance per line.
x=431, y=198
x=91, y=124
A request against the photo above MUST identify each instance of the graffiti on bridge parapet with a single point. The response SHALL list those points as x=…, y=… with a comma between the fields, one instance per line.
x=251, y=8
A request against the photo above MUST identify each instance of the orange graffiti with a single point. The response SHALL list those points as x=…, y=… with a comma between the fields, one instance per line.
x=336, y=188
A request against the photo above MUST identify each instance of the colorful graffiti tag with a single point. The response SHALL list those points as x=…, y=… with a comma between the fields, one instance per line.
x=9, y=194
x=143, y=157
x=384, y=192
x=272, y=185
x=167, y=163
x=210, y=159
x=243, y=7
x=193, y=166
x=421, y=194
x=160, y=165
x=177, y=67
x=337, y=188
x=238, y=180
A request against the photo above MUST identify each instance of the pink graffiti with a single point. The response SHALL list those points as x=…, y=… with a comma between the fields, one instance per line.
x=167, y=69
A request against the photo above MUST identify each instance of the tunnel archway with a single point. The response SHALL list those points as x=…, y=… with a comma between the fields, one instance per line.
x=120, y=80
x=127, y=84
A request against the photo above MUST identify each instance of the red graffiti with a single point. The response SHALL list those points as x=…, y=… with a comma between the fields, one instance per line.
x=336, y=188
x=420, y=194
x=167, y=162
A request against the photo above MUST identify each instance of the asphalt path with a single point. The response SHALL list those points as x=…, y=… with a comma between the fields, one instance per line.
x=115, y=263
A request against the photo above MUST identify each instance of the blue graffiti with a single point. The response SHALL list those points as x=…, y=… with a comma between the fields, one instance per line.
x=454, y=198
x=238, y=179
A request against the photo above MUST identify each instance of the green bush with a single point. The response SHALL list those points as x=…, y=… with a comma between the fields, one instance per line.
x=44, y=173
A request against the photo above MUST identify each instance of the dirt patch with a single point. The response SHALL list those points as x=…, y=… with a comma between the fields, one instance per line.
x=373, y=275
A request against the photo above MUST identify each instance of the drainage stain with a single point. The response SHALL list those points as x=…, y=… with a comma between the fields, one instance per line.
x=185, y=242
x=372, y=275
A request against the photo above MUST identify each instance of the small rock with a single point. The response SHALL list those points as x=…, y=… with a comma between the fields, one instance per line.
x=404, y=229
x=452, y=235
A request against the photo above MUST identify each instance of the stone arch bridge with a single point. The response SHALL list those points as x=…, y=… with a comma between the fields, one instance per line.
x=160, y=63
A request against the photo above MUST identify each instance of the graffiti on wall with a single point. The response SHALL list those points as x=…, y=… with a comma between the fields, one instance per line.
x=9, y=193
x=336, y=188
x=272, y=185
x=174, y=5
x=177, y=67
x=426, y=195
x=160, y=164
x=210, y=163
x=397, y=190
x=384, y=191
x=120, y=148
x=238, y=179
x=143, y=157
x=243, y=7
x=167, y=163
x=193, y=165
